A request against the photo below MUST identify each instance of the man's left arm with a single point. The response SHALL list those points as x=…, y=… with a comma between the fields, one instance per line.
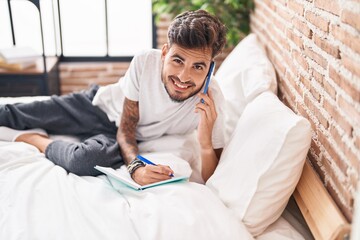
x=209, y=156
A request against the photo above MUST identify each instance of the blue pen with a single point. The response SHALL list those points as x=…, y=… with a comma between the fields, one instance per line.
x=147, y=161
x=208, y=78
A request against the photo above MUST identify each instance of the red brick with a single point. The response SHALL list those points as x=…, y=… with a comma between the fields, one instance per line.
x=270, y=4
x=316, y=57
x=322, y=119
x=302, y=111
x=288, y=60
x=310, y=104
x=301, y=60
x=330, y=148
x=289, y=79
x=294, y=38
x=350, y=40
x=259, y=15
x=302, y=27
x=306, y=82
x=351, y=64
x=84, y=74
x=330, y=90
x=288, y=96
x=341, y=164
x=89, y=67
x=337, y=137
x=316, y=94
x=283, y=2
x=315, y=147
x=349, y=110
x=284, y=42
x=284, y=14
x=317, y=20
x=297, y=87
x=331, y=6
x=316, y=166
x=313, y=125
x=326, y=46
x=354, y=178
x=296, y=7
x=318, y=77
x=268, y=12
x=351, y=18
x=279, y=25
x=327, y=165
x=343, y=208
x=357, y=142
x=333, y=110
x=353, y=158
x=344, y=84
x=120, y=65
x=70, y=81
x=278, y=64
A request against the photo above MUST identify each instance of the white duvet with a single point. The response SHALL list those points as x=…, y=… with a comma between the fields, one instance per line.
x=39, y=200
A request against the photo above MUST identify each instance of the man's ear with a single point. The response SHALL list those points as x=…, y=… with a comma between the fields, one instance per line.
x=164, y=51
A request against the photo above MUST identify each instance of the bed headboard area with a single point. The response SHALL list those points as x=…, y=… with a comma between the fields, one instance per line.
x=319, y=210
x=311, y=46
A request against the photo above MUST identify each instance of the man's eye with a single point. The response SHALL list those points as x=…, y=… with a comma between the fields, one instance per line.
x=177, y=61
x=199, y=67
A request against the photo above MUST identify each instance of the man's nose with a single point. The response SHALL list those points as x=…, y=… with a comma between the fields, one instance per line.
x=185, y=75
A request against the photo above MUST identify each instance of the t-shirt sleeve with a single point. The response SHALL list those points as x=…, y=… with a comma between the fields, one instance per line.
x=130, y=83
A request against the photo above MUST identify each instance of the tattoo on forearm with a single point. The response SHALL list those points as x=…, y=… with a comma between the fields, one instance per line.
x=126, y=133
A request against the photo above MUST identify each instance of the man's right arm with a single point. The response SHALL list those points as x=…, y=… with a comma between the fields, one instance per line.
x=127, y=129
x=129, y=148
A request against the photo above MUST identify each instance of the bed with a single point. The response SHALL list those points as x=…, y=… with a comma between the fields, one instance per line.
x=246, y=197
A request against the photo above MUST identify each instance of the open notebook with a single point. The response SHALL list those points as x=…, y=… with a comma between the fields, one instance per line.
x=124, y=177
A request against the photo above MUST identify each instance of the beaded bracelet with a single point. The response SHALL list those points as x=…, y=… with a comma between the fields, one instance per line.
x=134, y=164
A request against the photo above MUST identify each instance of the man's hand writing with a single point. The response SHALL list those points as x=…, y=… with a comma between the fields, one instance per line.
x=151, y=174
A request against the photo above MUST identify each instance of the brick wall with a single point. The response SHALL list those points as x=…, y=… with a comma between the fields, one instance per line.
x=315, y=48
x=78, y=76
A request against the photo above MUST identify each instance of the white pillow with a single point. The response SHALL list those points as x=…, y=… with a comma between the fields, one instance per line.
x=243, y=75
x=262, y=163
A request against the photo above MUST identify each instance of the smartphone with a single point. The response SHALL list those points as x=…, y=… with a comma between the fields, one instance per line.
x=208, y=78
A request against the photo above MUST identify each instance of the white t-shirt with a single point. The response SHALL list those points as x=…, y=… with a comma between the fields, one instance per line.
x=159, y=115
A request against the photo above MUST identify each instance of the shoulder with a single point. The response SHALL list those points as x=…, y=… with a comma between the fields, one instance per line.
x=150, y=54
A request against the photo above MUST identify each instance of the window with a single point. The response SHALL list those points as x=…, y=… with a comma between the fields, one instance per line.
x=79, y=28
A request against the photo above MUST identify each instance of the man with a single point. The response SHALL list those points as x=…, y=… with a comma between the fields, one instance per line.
x=159, y=95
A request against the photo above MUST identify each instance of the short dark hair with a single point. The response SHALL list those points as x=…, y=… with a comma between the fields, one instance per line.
x=197, y=29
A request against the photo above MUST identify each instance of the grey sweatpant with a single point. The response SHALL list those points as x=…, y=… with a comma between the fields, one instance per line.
x=71, y=114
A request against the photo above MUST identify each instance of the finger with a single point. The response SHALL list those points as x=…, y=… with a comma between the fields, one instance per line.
x=208, y=97
x=151, y=175
x=208, y=112
x=205, y=98
x=208, y=100
x=156, y=177
x=161, y=169
x=212, y=105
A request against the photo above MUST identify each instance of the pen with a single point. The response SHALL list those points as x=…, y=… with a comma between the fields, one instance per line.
x=147, y=161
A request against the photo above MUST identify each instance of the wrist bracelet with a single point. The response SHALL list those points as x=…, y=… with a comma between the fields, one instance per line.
x=134, y=164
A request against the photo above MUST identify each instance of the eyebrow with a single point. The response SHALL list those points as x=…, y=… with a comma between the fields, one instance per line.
x=182, y=59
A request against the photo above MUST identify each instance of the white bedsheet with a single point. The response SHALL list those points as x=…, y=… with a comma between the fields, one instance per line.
x=41, y=201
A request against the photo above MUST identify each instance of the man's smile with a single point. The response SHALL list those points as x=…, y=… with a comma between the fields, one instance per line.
x=179, y=86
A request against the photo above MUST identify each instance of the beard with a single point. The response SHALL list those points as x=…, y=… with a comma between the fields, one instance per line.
x=178, y=97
